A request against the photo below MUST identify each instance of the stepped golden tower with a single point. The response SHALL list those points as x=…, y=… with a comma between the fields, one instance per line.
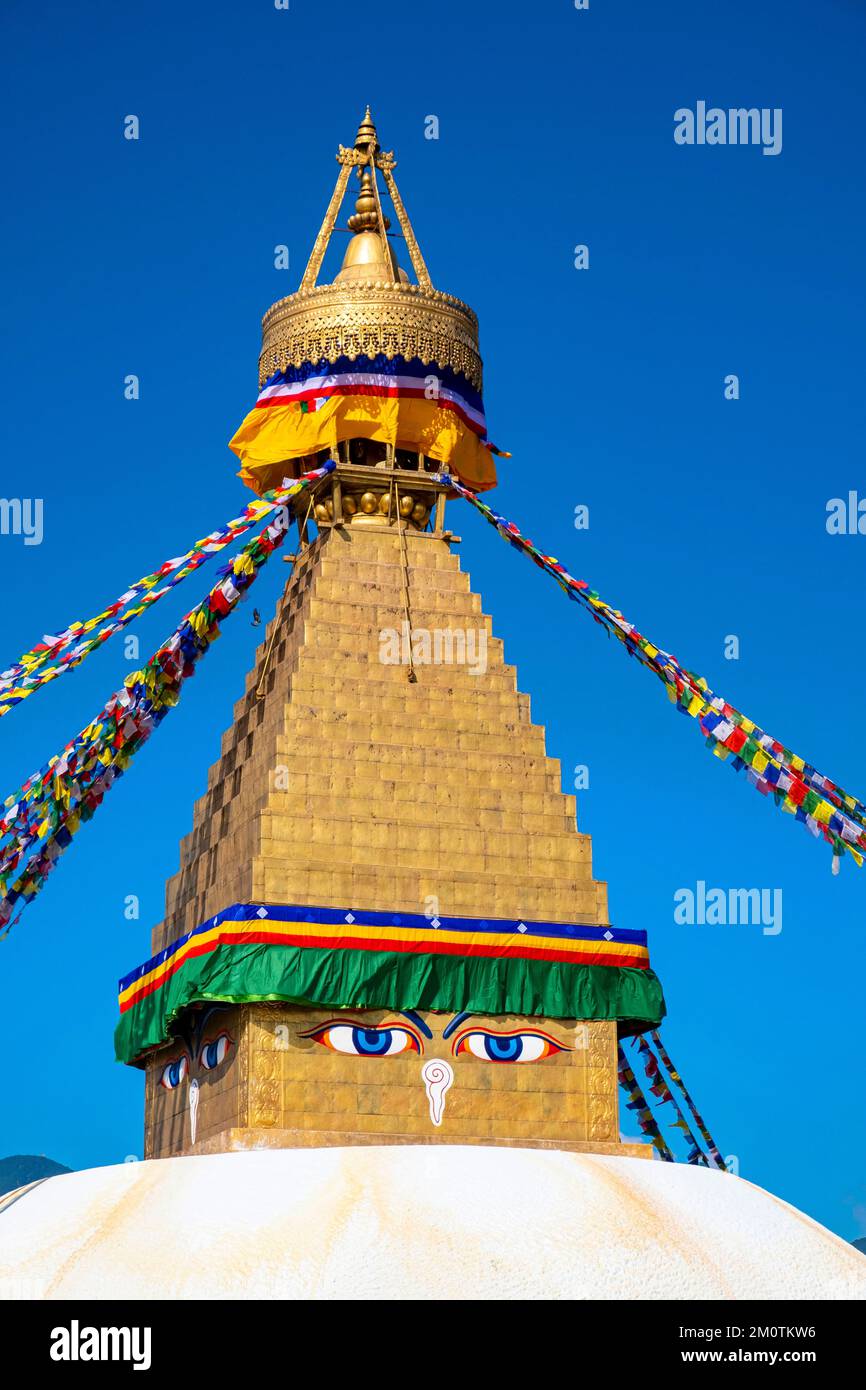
x=385, y=926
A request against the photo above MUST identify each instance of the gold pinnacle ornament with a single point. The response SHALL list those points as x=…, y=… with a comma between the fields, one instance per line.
x=371, y=307
x=385, y=925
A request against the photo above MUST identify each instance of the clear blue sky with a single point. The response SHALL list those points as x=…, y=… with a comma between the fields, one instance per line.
x=707, y=516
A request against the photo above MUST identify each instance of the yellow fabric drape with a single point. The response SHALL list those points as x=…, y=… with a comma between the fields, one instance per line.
x=271, y=435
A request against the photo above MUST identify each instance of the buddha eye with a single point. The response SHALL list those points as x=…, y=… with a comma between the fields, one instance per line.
x=174, y=1072
x=357, y=1040
x=526, y=1046
x=212, y=1053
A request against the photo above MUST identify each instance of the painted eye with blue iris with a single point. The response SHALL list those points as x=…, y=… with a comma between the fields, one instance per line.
x=213, y=1053
x=520, y=1045
x=361, y=1040
x=174, y=1072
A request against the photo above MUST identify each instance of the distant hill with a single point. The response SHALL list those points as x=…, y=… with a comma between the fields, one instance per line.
x=20, y=1169
x=860, y=1245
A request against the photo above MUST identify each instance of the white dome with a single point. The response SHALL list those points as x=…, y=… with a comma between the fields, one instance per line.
x=404, y=1221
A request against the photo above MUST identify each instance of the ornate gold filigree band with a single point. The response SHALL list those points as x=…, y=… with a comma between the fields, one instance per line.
x=334, y=321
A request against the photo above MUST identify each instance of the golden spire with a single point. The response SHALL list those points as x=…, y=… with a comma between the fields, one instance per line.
x=371, y=307
x=367, y=134
x=365, y=217
x=369, y=254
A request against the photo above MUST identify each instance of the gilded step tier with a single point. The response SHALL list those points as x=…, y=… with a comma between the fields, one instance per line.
x=347, y=783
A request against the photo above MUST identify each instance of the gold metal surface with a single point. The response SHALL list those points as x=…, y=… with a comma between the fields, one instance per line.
x=320, y=246
x=340, y=782
x=365, y=218
x=365, y=259
x=371, y=307
x=348, y=319
x=418, y=263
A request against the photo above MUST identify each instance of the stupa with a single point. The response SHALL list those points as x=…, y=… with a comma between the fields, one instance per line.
x=380, y=1022
x=385, y=925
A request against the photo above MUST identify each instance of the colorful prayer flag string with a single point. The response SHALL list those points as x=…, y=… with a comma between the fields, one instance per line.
x=637, y=1103
x=67, y=649
x=663, y=1092
x=796, y=786
x=715, y=1154
x=40, y=819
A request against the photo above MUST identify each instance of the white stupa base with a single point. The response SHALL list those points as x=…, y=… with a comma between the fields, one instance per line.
x=400, y=1222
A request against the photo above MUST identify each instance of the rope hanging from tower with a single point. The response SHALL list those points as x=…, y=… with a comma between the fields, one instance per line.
x=659, y=1087
x=715, y=1155
x=636, y=1102
x=38, y=821
x=798, y=788
x=41, y=818
x=71, y=646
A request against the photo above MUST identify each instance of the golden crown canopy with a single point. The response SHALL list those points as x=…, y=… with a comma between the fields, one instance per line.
x=371, y=307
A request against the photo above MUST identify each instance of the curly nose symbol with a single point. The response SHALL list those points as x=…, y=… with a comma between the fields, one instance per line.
x=193, y=1107
x=437, y=1077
